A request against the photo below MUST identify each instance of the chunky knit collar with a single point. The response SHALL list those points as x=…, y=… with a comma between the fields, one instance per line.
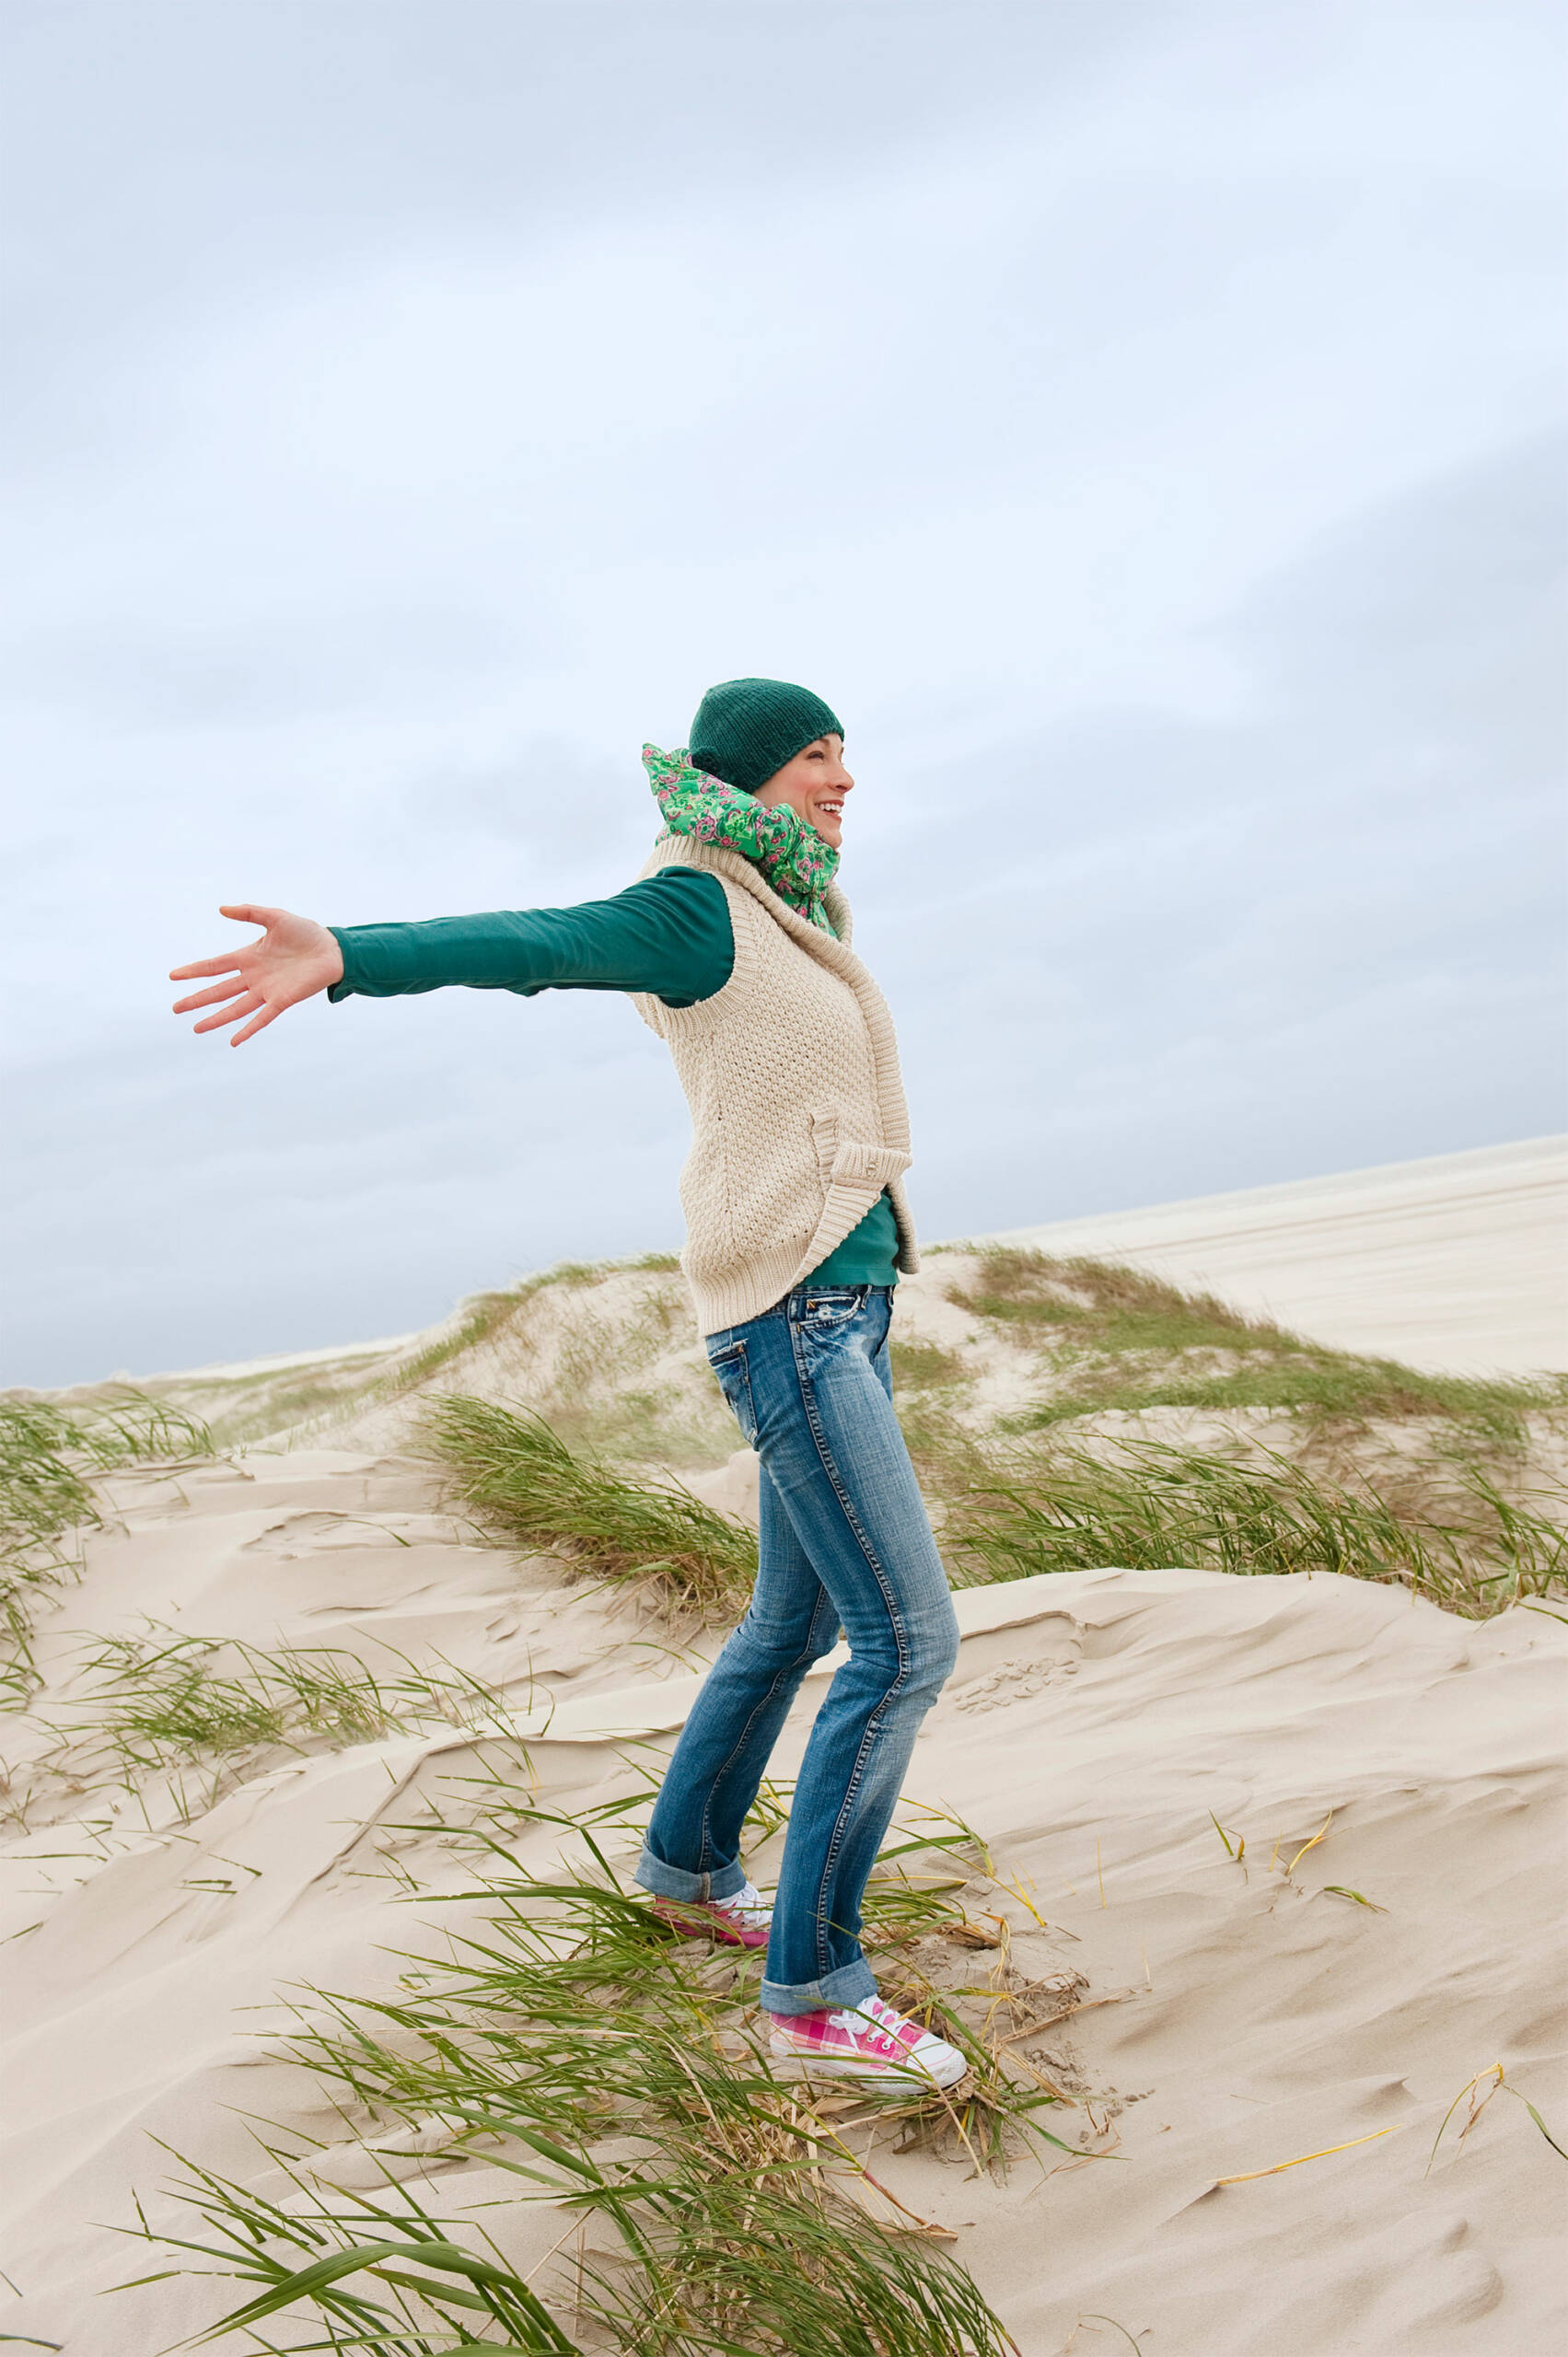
x=791, y=857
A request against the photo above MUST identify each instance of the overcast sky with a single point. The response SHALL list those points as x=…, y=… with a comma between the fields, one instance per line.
x=1142, y=422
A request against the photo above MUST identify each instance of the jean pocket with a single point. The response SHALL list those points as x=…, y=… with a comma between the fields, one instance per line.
x=822, y=1312
x=733, y=1379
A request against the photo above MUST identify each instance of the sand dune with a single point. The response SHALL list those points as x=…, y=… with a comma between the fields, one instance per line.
x=1457, y=1262
x=160, y=1926
x=1095, y=1722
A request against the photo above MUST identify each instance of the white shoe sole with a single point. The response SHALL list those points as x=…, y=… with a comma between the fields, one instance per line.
x=911, y=2074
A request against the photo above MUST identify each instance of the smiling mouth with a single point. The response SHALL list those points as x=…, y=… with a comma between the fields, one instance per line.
x=830, y=810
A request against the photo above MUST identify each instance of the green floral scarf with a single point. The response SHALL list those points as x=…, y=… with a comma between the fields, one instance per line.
x=793, y=858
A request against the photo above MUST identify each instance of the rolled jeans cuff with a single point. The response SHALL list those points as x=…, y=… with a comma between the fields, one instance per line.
x=674, y=1882
x=849, y=1985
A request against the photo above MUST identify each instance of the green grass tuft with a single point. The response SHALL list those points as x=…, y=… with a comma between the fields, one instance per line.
x=1119, y=1337
x=615, y=2071
x=925, y=1366
x=47, y=1460
x=159, y=1701
x=1153, y=1506
x=487, y=1313
x=524, y=1483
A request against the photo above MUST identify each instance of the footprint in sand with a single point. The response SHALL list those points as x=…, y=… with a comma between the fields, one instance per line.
x=1010, y=1681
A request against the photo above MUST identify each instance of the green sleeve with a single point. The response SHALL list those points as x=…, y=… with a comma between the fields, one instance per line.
x=670, y=934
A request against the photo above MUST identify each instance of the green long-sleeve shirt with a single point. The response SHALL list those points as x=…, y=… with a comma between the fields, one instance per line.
x=668, y=935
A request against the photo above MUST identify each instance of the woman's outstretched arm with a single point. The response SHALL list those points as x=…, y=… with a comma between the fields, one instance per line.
x=669, y=936
x=294, y=959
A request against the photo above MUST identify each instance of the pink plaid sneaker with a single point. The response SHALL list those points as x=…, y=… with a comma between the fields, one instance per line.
x=739, y=1922
x=867, y=2041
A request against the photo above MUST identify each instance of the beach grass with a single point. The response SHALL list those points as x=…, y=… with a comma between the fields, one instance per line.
x=159, y=1701
x=1151, y=1505
x=523, y=1484
x=48, y=1457
x=1017, y=1504
x=704, y=2202
x=923, y=1366
x=732, y=2239
x=301, y=1399
x=661, y=1424
x=1113, y=1337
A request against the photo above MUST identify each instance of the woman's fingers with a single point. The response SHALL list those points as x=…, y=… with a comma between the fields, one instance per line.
x=205, y=966
x=250, y=912
x=268, y=1015
x=213, y=997
x=243, y=912
x=246, y=1005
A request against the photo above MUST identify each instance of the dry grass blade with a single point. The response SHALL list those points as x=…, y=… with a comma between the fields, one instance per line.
x=974, y=1935
x=1477, y=2103
x=1248, y=2176
x=1079, y=2005
x=1090, y=2317
x=1321, y=1835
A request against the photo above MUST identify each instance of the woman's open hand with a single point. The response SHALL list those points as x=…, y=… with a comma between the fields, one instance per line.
x=294, y=959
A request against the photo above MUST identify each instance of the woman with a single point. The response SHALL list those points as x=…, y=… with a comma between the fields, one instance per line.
x=735, y=945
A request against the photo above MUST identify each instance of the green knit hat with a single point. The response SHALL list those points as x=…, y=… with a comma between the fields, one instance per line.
x=746, y=730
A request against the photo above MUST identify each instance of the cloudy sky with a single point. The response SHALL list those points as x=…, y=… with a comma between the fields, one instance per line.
x=1142, y=420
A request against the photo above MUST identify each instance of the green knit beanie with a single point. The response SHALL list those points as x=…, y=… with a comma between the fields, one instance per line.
x=746, y=730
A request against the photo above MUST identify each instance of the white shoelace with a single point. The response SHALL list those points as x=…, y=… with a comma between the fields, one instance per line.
x=747, y=1905
x=878, y=2017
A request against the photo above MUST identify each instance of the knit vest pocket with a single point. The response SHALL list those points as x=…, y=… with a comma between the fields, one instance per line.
x=852, y=1162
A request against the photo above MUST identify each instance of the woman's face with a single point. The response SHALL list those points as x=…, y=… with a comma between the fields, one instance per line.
x=814, y=784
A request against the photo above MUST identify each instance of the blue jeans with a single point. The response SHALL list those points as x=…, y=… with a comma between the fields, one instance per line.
x=845, y=1542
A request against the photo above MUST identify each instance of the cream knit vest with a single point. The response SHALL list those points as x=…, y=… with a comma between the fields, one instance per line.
x=791, y=1075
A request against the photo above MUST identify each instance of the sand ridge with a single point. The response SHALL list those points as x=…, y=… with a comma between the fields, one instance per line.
x=1239, y=2017
x=1455, y=1262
